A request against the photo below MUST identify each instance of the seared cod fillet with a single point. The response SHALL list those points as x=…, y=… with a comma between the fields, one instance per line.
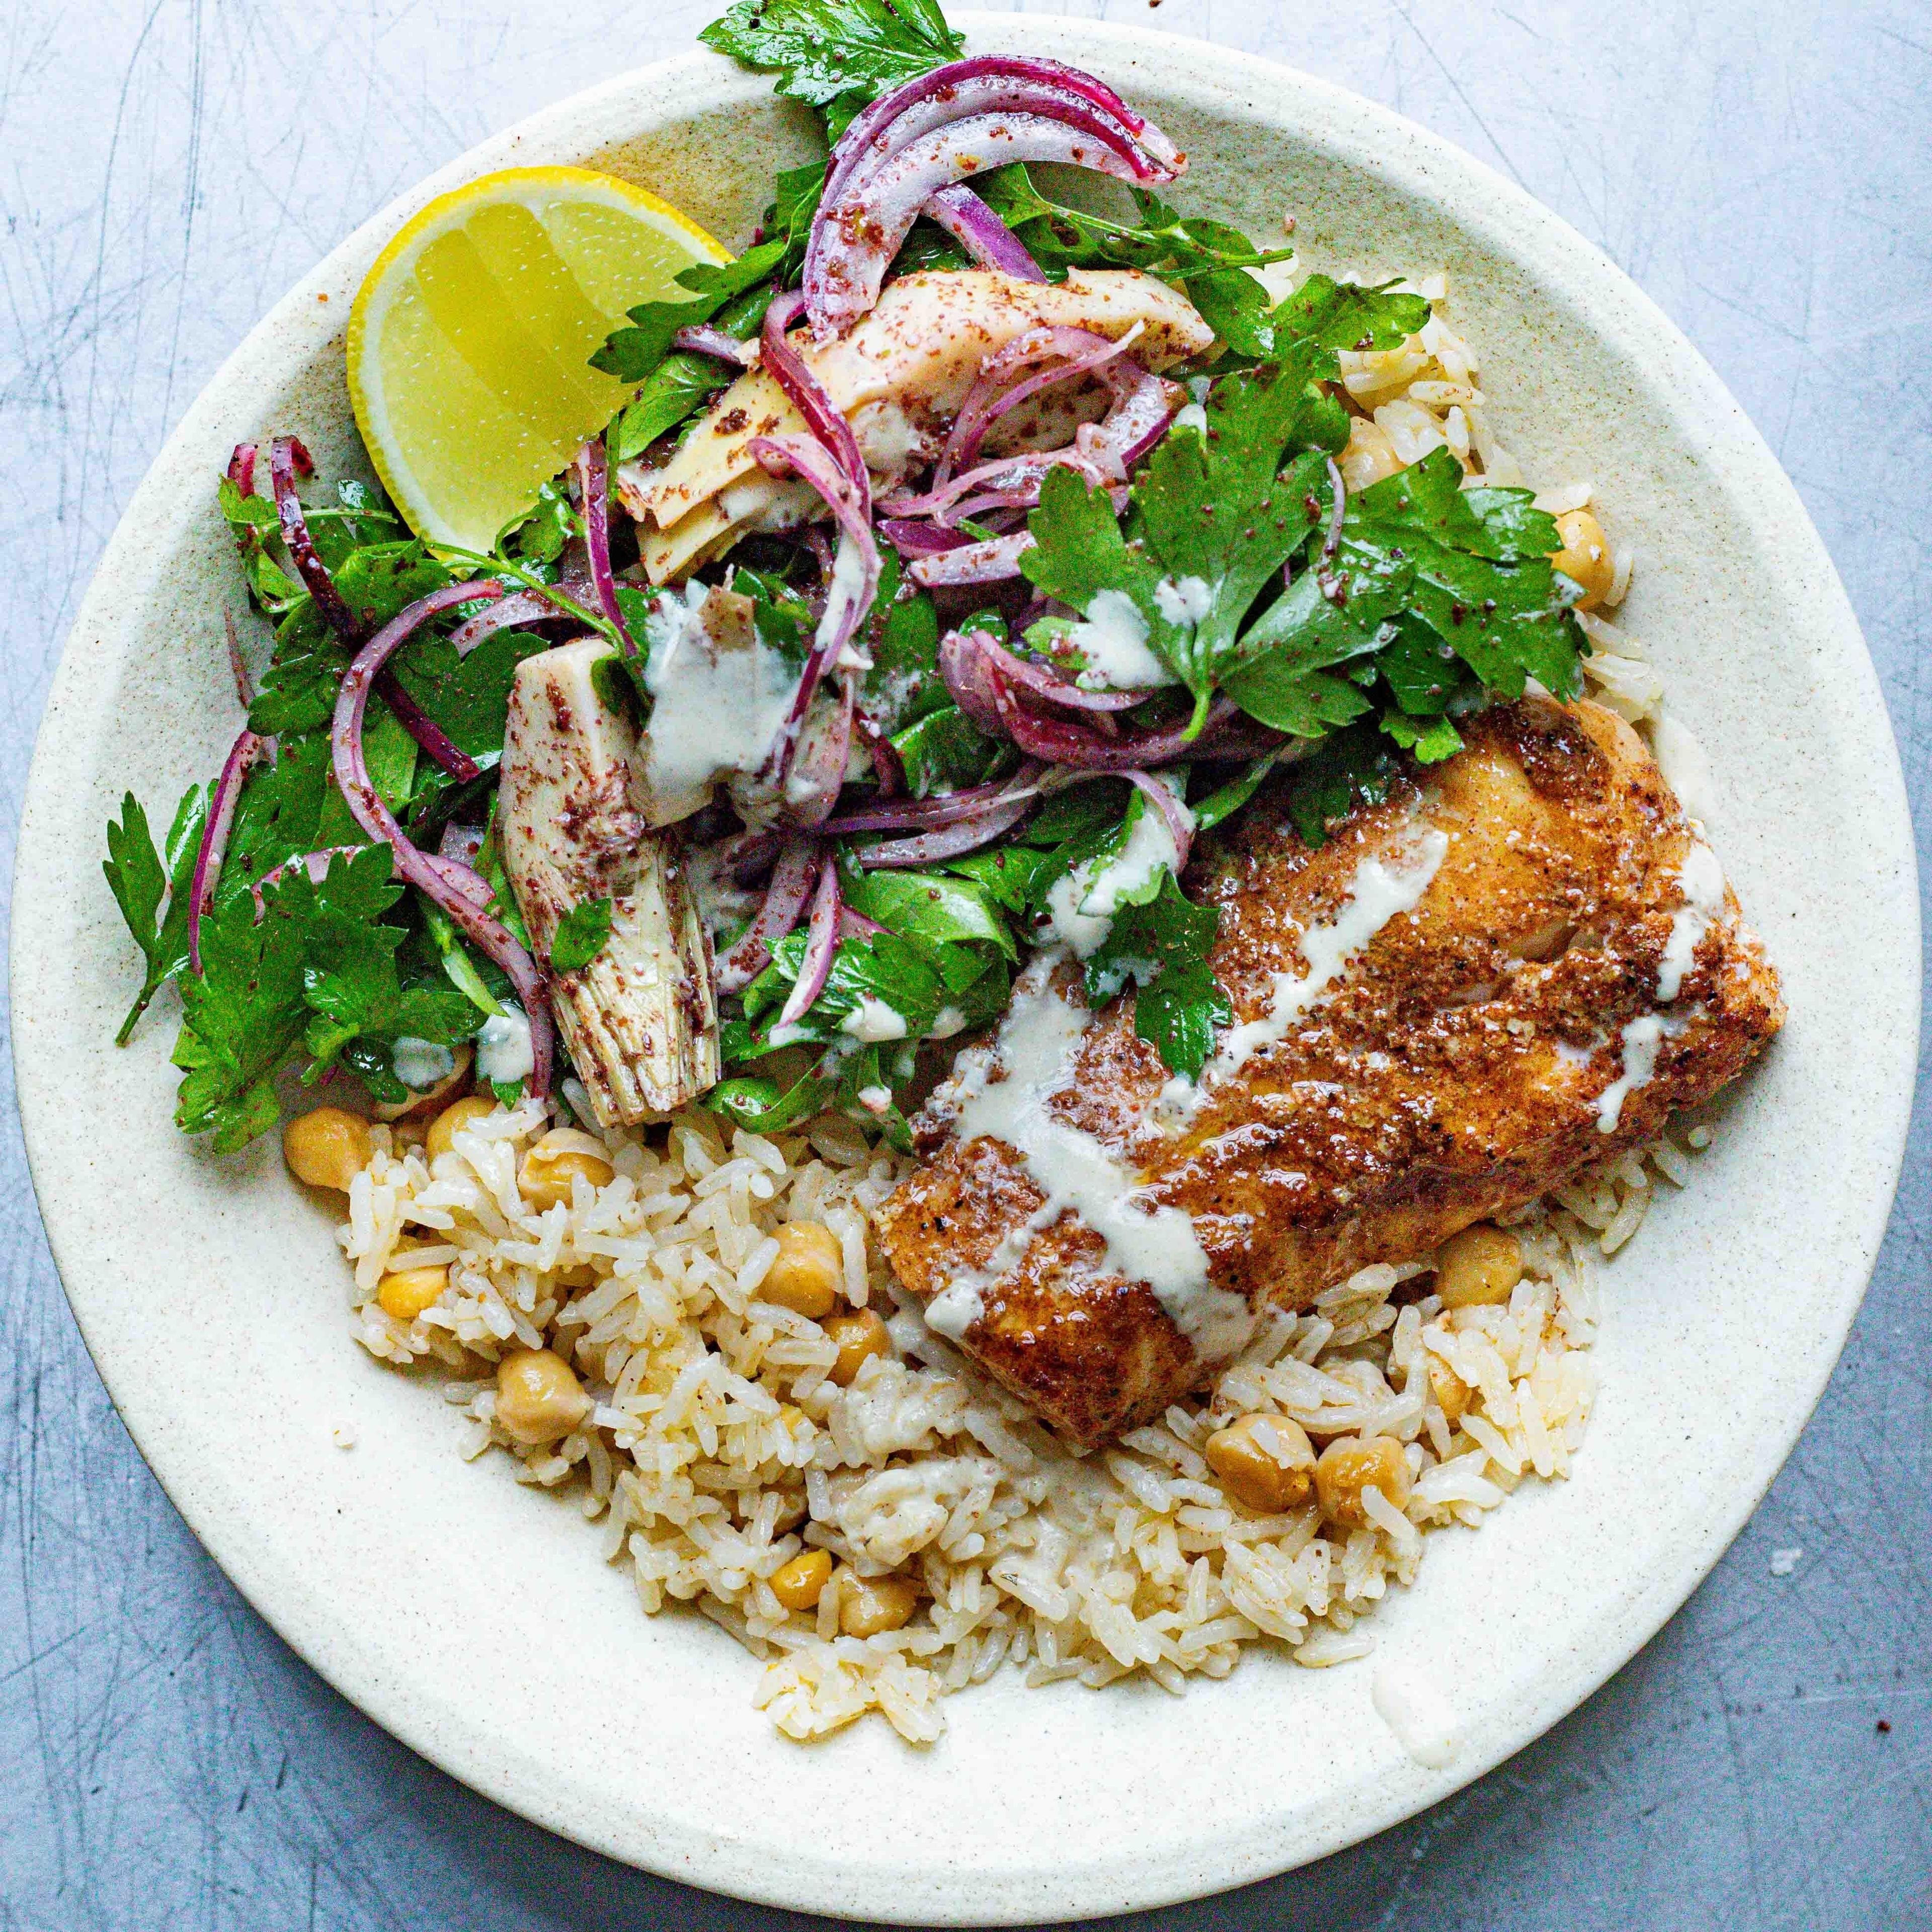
x=641, y=1018
x=1522, y=962
x=898, y=377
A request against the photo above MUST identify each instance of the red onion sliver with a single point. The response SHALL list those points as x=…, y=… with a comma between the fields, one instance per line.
x=856, y=926
x=915, y=537
x=967, y=670
x=1002, y=473
x=981, y=232
x=701, y=339
x=244, y=754
x=1079, y=351
x=927, y=814
x=853, y=582
x=1144, y=406
x=429, y=735
x=365, y=805
x=593, y=492
x=242, y=468
x=821, y=947
x=855, y=235
x=1180, y=821
x=787, y=369
x=287, y=459
x=790, y=886
x=1061, y=743
x=461, y=877
x=520, y=607
x=992, y=562
x=926, y=848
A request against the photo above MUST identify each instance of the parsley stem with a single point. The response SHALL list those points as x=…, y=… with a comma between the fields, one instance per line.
x=517, y=573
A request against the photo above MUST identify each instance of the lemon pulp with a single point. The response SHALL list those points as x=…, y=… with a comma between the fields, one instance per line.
x=470, y=339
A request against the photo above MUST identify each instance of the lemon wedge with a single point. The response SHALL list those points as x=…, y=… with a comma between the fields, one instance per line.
x=470, y=339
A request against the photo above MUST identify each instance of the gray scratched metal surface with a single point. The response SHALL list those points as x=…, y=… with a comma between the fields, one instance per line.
x=168, y=166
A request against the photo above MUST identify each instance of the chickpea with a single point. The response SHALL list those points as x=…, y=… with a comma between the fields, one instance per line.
x=554, y=1163
x=860, y=1336
x=799, y=1584
x=1351, y=1465
x=1584, y=558
x=810, y=1267
x=1452, y=1392
x=870, y=1605
x=1369, y=456
x=1477, y=1267
x=538, y=1397
x=454, y=1119
x=327, y=1148
x=406, y=1294
x=1265, y=1461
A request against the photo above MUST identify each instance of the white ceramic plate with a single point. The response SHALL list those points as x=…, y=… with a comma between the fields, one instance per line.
x=472, y=1617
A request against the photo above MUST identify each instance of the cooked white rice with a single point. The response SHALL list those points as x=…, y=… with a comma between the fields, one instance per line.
x=717, y=1449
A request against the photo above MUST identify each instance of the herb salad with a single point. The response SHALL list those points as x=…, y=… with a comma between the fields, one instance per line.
x=1003, y=706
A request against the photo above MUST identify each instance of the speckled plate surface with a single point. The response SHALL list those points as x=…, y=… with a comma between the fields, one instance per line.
x=472, y=1617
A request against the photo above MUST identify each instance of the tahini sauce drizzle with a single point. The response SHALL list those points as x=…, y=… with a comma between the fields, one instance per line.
x=1037, y=1047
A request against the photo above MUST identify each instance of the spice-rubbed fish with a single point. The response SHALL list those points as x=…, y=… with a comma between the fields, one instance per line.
x=898, y=378
x=640, y=1018
x=1521, y=962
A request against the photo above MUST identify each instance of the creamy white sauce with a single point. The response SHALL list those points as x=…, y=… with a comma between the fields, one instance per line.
x=844, y=590
x=872, y=1021
x=503, y=1050
x=1703, y=880
x=420, y=1063
x=1114, y=642
x=1184, y=600
x=713, y=711
x=1082, y=905
x=1383, y=888
x=1038, y=1046
x=1190, y=415
x=947, y=1021
x=1414, y=1707
x=1642, y=1039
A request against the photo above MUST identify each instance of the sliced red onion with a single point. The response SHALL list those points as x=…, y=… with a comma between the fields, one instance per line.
x=981, y=232
x=821, y=947
x=787, y=368
x=818, y=772
x=1059, y=743
x=247, y=751
x=1179, y=821
x=853, y=582
x=992, y=562
x=244, y=684
x=928, y=814
x=1144, y=405
x=701, y=339
x=462, y=878
x=315, y=864
x=365, y=805
x=980, y=659
x=916, y=537
x=888, y=767
x=436, y=744
x=287, y=459
x=1079, y=352
x=930, y=100
x=593, y=493
x=521, y=607
x=1018, y=472
x=745, y=854
x=855, y=234
x=968, y=672
x=242, y=468
x=856, y=926
x=790, y=886
x=950, y=842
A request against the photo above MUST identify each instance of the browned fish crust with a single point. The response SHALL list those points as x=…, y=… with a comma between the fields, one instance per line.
x=1452, y=1072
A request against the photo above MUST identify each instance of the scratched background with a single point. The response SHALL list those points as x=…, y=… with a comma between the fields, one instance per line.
x=168, y=166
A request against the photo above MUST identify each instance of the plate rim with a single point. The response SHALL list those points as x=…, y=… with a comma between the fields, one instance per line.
x=298, y=326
